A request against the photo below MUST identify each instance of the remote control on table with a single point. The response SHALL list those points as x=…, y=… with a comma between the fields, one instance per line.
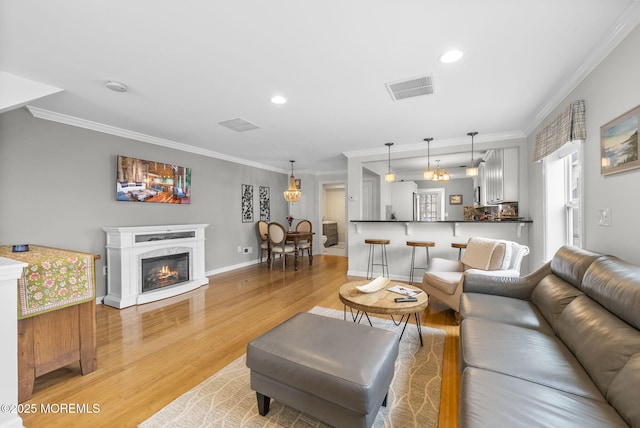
x=405, y=299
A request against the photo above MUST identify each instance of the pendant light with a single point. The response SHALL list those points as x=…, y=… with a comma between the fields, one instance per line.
x=440, y=174
x=427, y=174
x=472, y=171
x=389, y=177
x=292, y=194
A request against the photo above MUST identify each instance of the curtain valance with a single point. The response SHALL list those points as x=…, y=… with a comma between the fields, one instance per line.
x=568, y=126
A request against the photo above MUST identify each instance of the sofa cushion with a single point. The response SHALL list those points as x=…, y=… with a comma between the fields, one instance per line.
x=601, y=341
x=485, y=254
x=624, y=391
x=615, y=284
x=571, y=263
x=551, y=296
x=447, y=282
x=521, y=313
x=490, y=399
x=524, y=353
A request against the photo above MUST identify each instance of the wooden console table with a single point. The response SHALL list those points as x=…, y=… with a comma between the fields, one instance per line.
x=56, y=313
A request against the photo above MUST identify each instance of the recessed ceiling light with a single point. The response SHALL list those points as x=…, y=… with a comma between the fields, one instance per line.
x=450, y=56
x=116, y=86
x=278, y=99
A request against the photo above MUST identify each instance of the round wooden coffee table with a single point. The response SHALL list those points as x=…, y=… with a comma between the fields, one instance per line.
x=382, y=302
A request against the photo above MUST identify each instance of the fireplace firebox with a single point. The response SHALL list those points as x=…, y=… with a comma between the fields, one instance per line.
x=164, y=271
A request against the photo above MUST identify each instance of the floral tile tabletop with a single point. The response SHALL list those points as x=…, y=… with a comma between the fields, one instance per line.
x=54, y=279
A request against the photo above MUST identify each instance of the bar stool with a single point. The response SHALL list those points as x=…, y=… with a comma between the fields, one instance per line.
x=383, y=256
x=413, y=245
x=460, y=247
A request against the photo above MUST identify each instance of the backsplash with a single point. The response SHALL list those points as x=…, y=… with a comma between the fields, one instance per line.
x=504, y=211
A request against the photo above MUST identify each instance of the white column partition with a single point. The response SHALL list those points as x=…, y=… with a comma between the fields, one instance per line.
x=10, y=271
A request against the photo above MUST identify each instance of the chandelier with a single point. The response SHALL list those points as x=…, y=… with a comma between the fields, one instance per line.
x=440, y=174
x=472, y=171
x=427, y=174
x=292, y=194
x=389, y=177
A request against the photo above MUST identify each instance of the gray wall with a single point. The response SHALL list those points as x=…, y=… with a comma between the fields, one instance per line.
x=610, y=90
x=59, y=190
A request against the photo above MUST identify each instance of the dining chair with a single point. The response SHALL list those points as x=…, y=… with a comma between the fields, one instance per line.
x=277, y=241
x=263, y=232
x=304, y=226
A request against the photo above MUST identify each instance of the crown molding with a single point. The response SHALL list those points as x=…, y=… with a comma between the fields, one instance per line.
x=132, y=135
x=451, y=142
x=620, y=29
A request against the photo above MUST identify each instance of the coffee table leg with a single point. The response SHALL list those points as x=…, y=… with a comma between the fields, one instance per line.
x=357, y=317
x=394, y=320
x=418, y=326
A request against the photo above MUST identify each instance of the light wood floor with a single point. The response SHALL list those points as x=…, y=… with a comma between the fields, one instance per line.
x=151, y=354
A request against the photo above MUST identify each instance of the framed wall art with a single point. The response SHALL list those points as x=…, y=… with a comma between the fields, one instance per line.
x=619, y=143
x=247, y=203
x=139, y=180
x=455, y=199
x=265, y=203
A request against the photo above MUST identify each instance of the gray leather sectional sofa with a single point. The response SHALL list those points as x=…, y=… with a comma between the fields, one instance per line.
x=559, y=347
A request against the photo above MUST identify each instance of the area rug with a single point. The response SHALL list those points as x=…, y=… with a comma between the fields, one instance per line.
x=226, y=399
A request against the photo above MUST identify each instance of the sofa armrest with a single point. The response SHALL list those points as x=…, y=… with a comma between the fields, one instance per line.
x=508, y=286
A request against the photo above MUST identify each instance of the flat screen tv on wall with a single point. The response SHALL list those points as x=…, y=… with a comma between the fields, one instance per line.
x=139, y=180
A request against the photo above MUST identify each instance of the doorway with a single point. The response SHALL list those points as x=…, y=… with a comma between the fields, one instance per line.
x=333, y=215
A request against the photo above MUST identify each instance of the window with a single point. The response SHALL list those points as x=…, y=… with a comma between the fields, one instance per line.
x=573, y=181
x=429, y=204
x=563, y=203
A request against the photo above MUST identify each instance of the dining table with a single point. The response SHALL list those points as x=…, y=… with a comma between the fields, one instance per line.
x=296, y=237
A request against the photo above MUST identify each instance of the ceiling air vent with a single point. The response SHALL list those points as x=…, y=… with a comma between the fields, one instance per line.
x=410, y=87
x=239, y=125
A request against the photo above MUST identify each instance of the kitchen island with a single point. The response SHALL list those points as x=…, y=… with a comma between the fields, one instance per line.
x=443, y=233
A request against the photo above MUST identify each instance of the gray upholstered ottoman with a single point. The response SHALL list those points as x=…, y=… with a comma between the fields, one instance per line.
x=334, y=370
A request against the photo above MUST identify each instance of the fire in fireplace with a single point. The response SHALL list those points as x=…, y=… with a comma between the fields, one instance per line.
x=164, y=271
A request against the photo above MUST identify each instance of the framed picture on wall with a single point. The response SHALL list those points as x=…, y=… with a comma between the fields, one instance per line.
x=247, y=203
x=619, y=143
x=265, y=203
x=455, y=199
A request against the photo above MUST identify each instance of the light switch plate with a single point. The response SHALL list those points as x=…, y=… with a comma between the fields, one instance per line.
x=604, y=217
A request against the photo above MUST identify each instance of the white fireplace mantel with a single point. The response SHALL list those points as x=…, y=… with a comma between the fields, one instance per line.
x=127, y=246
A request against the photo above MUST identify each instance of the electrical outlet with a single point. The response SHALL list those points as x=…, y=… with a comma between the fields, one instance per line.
x=104, y=270
x=247, y=250
x=239, y=248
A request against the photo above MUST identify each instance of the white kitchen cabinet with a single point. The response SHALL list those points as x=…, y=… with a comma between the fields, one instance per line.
x=500, y=176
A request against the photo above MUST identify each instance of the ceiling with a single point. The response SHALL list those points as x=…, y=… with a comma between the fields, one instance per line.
x=190, y=65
